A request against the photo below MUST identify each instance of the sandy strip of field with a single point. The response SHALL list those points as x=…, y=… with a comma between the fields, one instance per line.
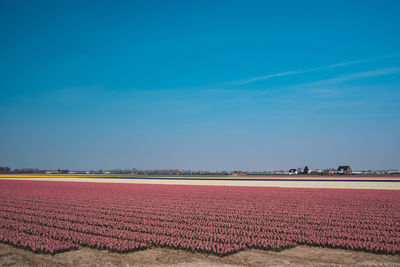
x=290, y=184
x=162, y=257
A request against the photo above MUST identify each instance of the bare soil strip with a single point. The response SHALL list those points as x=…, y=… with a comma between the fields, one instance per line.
x=290, y=183
x=298, y=256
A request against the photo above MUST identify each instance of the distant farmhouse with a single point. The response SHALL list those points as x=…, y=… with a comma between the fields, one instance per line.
x=344, y=170
x=341, y=170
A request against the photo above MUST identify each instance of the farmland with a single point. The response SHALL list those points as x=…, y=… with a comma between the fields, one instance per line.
x=53, y=217
x=350, y=182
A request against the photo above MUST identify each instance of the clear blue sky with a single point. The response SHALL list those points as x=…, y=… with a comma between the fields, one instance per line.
x=234, y=85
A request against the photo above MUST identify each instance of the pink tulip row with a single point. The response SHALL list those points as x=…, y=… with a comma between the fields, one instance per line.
x=93, y=217
x=219, y=220
x=34, y=242
x=223, y=235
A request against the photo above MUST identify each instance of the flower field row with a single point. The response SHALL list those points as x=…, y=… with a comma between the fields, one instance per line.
x=52, y=217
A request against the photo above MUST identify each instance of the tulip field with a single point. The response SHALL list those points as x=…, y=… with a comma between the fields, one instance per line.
x=52, y=217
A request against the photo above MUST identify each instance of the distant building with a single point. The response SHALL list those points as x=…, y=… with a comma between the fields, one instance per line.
x=344, y=170
x=292, y=171
x=315, y=172
x=328, y=171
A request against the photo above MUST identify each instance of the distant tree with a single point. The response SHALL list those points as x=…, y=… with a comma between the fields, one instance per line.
x=5, y=170
x=305, y=171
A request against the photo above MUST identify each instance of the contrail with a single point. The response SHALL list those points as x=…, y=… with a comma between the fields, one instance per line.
x=301, y=71
x=367, y=74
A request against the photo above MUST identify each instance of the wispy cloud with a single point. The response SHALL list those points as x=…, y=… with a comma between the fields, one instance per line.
x=355, y=76
x=301, y=71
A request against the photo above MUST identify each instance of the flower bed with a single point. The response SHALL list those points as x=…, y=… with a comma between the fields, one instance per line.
x=52, y=217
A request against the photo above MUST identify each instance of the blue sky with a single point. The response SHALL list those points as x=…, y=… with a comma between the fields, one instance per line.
x=217, y=85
